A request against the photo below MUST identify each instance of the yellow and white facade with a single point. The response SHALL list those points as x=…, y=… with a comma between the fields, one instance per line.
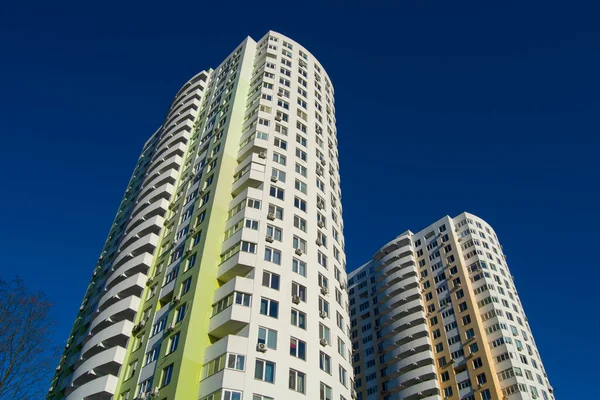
x=436, y=315
x=223, y=276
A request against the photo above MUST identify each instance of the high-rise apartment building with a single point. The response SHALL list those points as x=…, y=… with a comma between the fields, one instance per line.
x=223, y=275
x=436, y=315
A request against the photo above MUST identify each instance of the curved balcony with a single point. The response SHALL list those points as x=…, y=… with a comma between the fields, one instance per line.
x=101, y=388
x=408, y=347
x=173, y=130
x=406, y=286
x=107, y=362
x=146, y=244
x=123, y=309
x=403, y=322
x=400, y=242
x=158, y=179
x=420, y=390
x=141, y=264
x=153, y=191
x=415, y=361
x=172, y=162
x=151, y=208
x=192, y=100
x=132, y=286
x=111, y=336
x=239, y=264
x=151, y=225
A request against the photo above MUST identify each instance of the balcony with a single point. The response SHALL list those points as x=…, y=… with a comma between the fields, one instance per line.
x=113, y=335
x=227, y=378
x=107, y=362
x=238, y=265
x=132, y=286
x=123, y=309
x=146, y=244
x=254, y=176
x=152, y=225
x=229, y=321
x=101, y=388
x=255, y=145
x=139, y=264
x=401, y=242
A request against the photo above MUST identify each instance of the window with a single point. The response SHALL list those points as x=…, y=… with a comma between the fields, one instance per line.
x=261, y=397
x=341, y=347
x=185, y=286
x=324, y=306
x=325, y=362
x=270, y=280
x=278, y=174
x=277, y=192
x=300, y=223
x=276, y=211
x=300, y=204
x=325, y=392
x=297, y=381
x=481, y=379
x=268, y=337
x=269, y=307
x=152, y=355
x=299, y=290
x=325, y=333
x=301, y=154
x=282, y=144
x=301, y=170
x=297, y=348
x=299, y=244
x=180, y=313
x=264, y=371
x=448, y=391
x=279, y=158
x=343, y=377
x=299, y=267
x=322, y=259
x=173, y=343
x=477, y=363
x=301, y=186
x=275, y=233
x=298, y=318
x=167, y=373
x=273, y=255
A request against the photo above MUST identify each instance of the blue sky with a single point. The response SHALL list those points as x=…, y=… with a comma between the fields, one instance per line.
x=442, y=107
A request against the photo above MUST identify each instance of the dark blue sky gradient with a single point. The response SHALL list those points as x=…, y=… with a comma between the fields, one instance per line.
x=442, y=107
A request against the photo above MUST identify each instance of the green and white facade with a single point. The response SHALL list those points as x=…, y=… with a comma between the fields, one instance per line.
x=223, y=276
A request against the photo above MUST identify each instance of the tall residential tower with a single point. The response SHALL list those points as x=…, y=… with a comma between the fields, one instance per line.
x=223, y=275
x=436, y=315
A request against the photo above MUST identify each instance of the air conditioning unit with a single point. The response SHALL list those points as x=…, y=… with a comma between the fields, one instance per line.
x=323, y=162
x=153, y=393
x=353, y=394
x=324, y=291
x=323, y=314
x=320, y=205
x=149, y=282
x=319, y=242
x=323, y=342
x=320, y=224
x=176, y=299
x=262, y=154
x=299, y=252
x=319, y=172
x=343, y=285
x=330, y=144
x=278, y=117
x=171, y=328
x=269, y=238
x=261, y=347
x=296, y=299
x=273, y=178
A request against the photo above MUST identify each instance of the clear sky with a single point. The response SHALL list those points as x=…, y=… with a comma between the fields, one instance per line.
x=442, y=107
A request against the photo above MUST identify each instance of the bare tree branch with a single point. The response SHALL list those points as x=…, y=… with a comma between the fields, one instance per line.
x=26, y=353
